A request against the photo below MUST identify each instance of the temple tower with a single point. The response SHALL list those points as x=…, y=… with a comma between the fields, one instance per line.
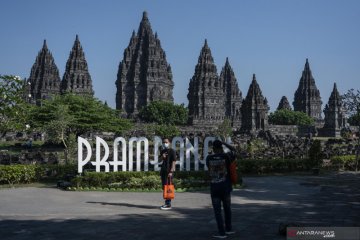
x=76, y=78
x=254, y=109
x=232, y=94
x=334, y=115
x=44, y=80
x=205, y=95
x=307, y=97
x=144, y=74
x=284, y=104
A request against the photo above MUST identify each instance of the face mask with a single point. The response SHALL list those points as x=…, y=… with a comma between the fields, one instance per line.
x=166, y=145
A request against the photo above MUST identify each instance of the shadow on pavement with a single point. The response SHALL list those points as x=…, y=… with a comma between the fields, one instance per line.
x=257, y=213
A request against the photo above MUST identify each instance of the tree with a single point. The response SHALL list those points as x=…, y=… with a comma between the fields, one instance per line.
x=224, y=130
x=163, y=130
x=351, y=101
x=354, y=120
x=57, y=129
x=78, y=115
x=164, y=113
x=64, y=117
x=13, y=108
x=288, y=117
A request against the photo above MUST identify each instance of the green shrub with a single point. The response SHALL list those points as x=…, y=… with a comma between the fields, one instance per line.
x=162, y=112
x=346, y=162
x=13, y=174
x=288, y=117
x=138, y=180
x=261, y=166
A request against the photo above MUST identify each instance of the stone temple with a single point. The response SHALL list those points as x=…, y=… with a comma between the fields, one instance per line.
x=334, y=115
x=144, y=74
x=254, y=109
x=76, y=77
x=212, y=98
x=307, y=97
x=284, y=104
x=205, y=95
x=232, y=94
x=44, y=81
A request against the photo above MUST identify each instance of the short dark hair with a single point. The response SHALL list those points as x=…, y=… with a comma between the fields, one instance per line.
x=217, y=144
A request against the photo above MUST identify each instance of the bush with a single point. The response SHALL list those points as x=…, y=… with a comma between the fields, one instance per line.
x=354, y=120
x=139, y=180
x=261, y=166
x=288, y=117
x=346, y=162
x=161, y=112
x=163, y=130
x=14, y=174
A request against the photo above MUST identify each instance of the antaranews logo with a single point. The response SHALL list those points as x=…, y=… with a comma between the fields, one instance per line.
x=300, y=233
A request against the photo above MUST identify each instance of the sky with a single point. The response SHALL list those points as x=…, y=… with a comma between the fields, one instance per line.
x=269, y=38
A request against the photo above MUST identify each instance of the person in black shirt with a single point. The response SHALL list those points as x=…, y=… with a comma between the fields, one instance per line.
x=220, y=185
x=168, y=157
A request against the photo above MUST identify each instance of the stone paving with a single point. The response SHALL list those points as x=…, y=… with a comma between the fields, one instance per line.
x=258, y=210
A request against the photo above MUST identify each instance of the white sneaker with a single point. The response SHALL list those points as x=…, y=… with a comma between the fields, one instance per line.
x=165, y=207
x=219, y=236
x=230, y=232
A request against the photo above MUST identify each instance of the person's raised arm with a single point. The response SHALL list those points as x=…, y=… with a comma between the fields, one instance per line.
x=229, y=147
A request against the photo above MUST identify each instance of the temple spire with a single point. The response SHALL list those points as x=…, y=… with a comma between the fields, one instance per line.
x=284, y=104
x=205, y=87
x=307, y=97
x=334, y=115
x=232, y=95
x=45, y=45
x=307, y=65
x=44, y=78
x=335, y=88
x=227, y=64
x=144, y=74
x=254, y=109
x=254, y=78
x=145, y=15
x=77, y=78
x=145, y=27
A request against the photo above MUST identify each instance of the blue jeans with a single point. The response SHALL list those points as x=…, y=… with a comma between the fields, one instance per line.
x=164, y=180
x=217, y=198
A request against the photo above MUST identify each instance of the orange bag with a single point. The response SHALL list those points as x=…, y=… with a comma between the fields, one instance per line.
x=233, y=172
x=169, y=190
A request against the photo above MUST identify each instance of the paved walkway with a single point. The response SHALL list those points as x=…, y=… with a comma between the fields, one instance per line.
x=258, y=210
